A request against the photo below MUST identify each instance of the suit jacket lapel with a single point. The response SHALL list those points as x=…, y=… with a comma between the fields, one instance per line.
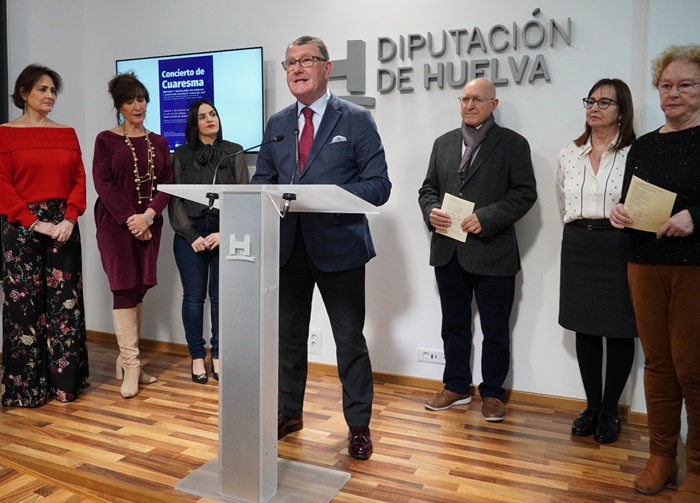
x=484, y=149
x=287, y=124
x=290, y=123
x=454, y=157
x=331, y=116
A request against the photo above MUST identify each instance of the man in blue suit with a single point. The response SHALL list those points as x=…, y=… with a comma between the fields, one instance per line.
x=490, y=166
x=339, y=144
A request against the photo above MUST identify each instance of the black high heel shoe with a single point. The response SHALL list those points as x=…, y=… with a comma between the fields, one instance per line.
x=214, y=373
x=199, y=378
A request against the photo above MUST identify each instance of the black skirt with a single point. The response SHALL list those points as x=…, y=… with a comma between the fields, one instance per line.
x=594, y=296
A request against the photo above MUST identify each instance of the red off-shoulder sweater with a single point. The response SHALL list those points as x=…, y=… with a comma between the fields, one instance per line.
x=38, y=164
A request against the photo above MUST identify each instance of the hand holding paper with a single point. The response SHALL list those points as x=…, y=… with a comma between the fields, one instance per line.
x=648, y=206
x=458, y=209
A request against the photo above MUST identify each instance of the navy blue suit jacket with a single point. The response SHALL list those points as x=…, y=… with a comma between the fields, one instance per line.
x=347, y=152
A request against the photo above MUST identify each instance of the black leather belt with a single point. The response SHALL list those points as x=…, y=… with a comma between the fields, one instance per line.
x=597, y=224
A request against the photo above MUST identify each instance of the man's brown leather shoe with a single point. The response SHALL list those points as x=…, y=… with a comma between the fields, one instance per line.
x=444, y=399
x=286, y=424
x=493, y=410
x=360, y=443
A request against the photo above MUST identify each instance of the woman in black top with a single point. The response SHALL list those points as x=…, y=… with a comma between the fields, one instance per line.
x=664, y=273
x=196, y=227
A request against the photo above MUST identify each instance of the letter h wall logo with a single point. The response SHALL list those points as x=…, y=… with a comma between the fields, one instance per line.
x=353, y=69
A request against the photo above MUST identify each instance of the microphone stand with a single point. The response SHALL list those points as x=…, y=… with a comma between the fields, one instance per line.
x=213, y=196
x=288, y=196
x=296, y=155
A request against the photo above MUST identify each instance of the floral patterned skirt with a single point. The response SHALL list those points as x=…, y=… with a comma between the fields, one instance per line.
x=44, y=350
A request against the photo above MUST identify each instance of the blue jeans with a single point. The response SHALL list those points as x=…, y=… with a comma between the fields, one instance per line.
x=197, y=269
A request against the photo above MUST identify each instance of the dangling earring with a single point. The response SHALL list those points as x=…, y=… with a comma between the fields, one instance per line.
x=619, y=121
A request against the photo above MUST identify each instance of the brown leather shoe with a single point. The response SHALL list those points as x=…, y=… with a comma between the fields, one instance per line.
x=360, y=446
x=286, y=424
x=493, y=410
x=658, y=472
x=444, y=399
x=689, y=492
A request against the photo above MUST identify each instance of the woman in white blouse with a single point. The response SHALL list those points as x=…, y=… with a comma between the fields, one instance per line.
x=594, y=297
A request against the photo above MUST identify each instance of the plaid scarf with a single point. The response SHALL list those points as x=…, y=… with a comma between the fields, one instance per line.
x=472, y=138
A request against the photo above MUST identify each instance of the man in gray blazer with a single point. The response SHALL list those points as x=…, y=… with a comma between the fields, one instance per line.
x=490, y=166
x=339, y=144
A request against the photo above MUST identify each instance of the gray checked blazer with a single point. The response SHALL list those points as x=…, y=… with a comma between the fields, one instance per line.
x=500, y=182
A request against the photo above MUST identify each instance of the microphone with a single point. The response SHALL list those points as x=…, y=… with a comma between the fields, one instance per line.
x=213, y=195
x=288, y=196
x=274, y=139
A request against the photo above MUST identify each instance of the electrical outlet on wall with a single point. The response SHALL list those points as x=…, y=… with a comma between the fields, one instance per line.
x=431, y=356
x=315, y=339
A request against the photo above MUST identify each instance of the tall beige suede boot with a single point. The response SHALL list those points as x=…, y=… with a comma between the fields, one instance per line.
x=126, y=328
x=144, y=378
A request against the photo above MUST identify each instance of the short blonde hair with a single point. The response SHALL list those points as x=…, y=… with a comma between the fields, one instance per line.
x=689, y=52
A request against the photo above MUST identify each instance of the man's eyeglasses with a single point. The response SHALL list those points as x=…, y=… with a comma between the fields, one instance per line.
x=603, y=103
x=464, y=100
x=305, y=62
x=683, y=87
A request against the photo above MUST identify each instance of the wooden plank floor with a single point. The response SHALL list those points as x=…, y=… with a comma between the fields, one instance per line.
x=105, y=448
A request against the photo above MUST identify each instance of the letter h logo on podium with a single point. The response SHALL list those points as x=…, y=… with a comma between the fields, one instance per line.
x=239, y=250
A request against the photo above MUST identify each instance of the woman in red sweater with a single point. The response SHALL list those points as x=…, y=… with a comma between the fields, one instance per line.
x=42, y=182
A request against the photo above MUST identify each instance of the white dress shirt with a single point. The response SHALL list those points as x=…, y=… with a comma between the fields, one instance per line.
x=319, y=108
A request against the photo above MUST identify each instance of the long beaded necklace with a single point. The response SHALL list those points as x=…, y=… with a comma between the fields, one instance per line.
x=150, y=176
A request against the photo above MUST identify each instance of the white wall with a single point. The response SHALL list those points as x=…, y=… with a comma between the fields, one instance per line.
x=81, y=39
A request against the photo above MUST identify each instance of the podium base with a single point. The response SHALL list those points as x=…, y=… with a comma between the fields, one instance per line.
x=296, y=483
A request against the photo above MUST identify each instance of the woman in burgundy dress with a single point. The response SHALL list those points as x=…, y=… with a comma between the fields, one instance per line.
x=128, y=164
x=42, y=182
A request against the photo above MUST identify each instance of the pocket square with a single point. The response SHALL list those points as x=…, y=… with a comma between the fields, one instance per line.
x=338, y=139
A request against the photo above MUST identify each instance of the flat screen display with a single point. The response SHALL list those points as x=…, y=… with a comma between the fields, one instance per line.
x=231, y=79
